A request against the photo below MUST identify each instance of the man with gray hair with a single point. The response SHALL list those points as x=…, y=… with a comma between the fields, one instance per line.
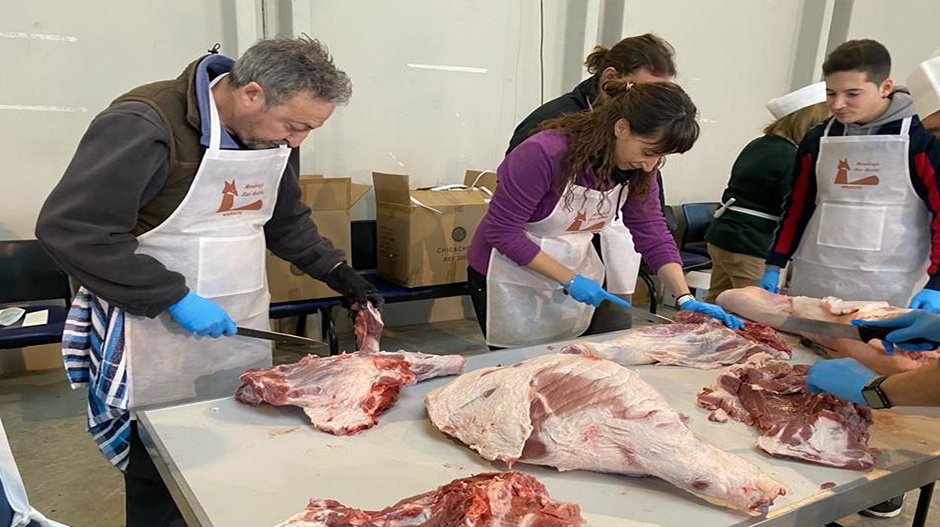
x=163, y=216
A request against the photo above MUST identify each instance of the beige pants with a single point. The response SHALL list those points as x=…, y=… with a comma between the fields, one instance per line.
x=732, y=270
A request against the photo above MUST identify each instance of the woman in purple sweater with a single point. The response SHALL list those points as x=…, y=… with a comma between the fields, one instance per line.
x=534, y=274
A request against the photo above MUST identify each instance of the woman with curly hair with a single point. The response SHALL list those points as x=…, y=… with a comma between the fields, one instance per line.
x=534, y=274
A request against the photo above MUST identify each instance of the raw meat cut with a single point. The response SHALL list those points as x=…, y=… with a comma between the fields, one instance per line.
x=753, y=331
x=581, y=412
x=772, y=309
x=368, y=327
x=703, y=343
x=343, y=394
x=495, y=499
x=771, y=395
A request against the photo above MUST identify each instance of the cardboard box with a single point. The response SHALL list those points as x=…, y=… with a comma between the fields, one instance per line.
x=330, y=200
x=424, y=234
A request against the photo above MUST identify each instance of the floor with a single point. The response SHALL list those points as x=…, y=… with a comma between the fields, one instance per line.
x=70, y=482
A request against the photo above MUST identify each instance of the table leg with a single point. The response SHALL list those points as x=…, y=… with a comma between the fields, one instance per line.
x=923, y=505
x=329, y=329
x=651, y=288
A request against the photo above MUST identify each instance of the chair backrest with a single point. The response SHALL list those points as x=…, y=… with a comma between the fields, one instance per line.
x=675, y=221
x=28, y=273
x=698, y=216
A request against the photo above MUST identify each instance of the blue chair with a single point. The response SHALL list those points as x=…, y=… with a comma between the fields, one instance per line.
x=29, y=275
x=302, y=308
x=688, y=223
x=698, y=216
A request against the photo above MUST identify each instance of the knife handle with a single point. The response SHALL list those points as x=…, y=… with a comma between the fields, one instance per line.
x=867, y=333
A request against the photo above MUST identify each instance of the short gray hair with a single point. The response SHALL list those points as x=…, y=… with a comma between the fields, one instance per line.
x=287, y=66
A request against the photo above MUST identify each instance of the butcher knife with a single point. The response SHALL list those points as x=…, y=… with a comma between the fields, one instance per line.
x=283, y=338
x=842, y=331
x=643, y=314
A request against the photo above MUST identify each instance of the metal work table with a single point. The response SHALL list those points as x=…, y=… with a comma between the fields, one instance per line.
x=229, y=464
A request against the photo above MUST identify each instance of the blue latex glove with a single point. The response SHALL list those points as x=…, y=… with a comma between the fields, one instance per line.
x=589, y=292
x=843, y=378
x=691, y=304
x=927, y=299
x=771, y=280
x=201, y=316
x=912, y=325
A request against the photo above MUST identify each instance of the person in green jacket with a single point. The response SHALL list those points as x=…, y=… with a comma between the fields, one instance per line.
x=740, y=236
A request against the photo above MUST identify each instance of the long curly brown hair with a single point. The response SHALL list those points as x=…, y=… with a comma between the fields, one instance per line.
x=659, y=112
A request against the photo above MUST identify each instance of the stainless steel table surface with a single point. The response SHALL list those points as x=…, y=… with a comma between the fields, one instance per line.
x=230, y=464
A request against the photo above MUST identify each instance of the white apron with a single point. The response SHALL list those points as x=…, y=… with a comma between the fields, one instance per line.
x=524, y=307
x=617, y=241
x=215, y=239
x=869, y=238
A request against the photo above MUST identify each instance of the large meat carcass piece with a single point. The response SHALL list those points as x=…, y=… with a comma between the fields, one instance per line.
x=695, y=340
x=496, y=499
x=343, y=394
x=771, y=395
x=582, y=412
x=772, y=309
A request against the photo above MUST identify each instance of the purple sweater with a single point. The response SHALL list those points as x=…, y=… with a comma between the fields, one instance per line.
x=526, y=193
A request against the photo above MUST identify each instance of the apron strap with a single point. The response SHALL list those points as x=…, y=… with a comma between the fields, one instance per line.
x=828, y=126
x=620, y=202
x=215, y=125
x=724, y=206
x=906, y=125
x=729, y=205
x=756, y=213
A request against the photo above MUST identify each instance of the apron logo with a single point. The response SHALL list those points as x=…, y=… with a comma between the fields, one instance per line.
x=458, y=234
x=230, y=192
x=842, y=174
x=579, y=219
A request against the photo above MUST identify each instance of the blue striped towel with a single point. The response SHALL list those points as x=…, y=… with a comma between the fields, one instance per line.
x=93, y=353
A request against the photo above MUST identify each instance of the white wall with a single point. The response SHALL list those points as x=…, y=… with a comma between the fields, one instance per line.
x=908, y=29
x=430, y=123
x=75, y=58
x=732, y=56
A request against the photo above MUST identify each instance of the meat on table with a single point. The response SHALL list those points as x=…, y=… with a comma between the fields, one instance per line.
x=771, y=396
x=495, y=499
x=582, y=412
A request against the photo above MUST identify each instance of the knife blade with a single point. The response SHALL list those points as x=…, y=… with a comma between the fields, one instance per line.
x=643, y=314
x=834, y=329
x=274, y=336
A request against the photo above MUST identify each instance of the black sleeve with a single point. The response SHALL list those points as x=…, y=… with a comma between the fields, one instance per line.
x=291, y=233
x=87, y=221
x=523, y=131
